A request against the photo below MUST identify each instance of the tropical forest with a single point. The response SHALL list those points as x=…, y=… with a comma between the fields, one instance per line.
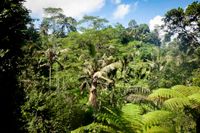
x=62, y=74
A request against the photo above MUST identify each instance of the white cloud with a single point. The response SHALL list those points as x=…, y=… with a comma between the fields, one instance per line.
x=116, y=1
x=121, y=11
x=73, y=8
x=155, y=22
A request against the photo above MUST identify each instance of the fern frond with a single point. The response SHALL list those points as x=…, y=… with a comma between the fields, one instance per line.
x=136, y=98
x=140, y=99
x=186, y=90
x=94, y=127
x=157, y=117
x=129, y=120
x=113, y=119
x=176, y=103
x=131, y=113
x=194, y=89
x=137, y=90
x=159, y=129
x=163, y=94
x=195, y=98
x=109, y=116
x=181, y=88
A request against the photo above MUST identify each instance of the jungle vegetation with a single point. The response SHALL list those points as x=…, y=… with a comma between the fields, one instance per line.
x=89, y=76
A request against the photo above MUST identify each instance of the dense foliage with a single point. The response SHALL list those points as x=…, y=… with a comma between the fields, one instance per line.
x=89, y=76
x=13, y=36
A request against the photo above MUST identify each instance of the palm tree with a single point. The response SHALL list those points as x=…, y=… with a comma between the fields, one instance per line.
x=93, y=77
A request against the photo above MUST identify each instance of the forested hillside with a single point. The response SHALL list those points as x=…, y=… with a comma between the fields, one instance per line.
x=87, y=75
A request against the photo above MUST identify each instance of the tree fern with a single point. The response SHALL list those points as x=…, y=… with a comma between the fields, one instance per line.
x=177, y=97
x=182, y=102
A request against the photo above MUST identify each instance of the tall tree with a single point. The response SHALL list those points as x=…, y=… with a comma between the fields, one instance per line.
x=13, y=20
x=56, y=22
x=93, y=22
x=132, y=24
x=142, y=33
x=185, y=23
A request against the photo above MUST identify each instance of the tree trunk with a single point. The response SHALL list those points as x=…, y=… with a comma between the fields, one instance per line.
x=93, y=93
x=93, y=98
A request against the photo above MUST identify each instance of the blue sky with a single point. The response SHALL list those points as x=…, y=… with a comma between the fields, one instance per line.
x=122, y=11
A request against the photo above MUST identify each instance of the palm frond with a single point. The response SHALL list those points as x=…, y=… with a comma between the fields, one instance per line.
x=105, y=71
x=111, y=67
